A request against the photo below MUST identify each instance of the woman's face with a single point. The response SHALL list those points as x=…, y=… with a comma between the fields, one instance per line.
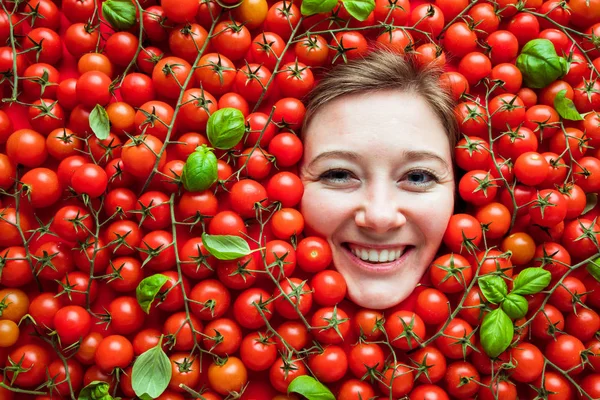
x=379, y=186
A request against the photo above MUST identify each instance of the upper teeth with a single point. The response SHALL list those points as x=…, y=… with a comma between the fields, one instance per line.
x=385, y=255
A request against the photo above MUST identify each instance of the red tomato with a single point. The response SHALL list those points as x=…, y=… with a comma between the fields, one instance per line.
x=406, y=328
x=34, y=360
x=114, y=351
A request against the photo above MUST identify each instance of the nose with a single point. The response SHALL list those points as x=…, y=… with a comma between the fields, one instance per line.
x=380, y=210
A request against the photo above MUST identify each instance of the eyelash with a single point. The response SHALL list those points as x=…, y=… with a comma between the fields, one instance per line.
x=328, y=175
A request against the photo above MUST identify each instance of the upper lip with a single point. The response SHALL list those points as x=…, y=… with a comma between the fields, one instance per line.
x=377, y=246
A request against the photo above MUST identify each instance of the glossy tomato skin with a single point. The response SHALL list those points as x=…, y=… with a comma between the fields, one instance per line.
x=365, y=356
x=157, y=250
x=331, y=365
x=223, y=336
x=496, y=389
x=72, y=323
x=196, y=261
x=50, y=43
x=355, y=389
x=294, y=333
x=431, y=358
x=17, y=272
x=329, y=287
x=581, y=248
x=405, y=339
x=279, y=375
x=34, y=358
x=451, y=273
x=140, y=154
x=27, y=147
x=41, y=187
x=43, y=308
x=114, y=351
x=57, y=370
x=257, y=351
x=87, y=348
x=184, y=370
x=565, y=352
x=183, y=328
x=245, y=312
x=456, y=329
x=213, y=292
x=230, y=376
x=126, y=315
x=282, y=18
x=89, y=179
x=456, y=373
x=530, y=361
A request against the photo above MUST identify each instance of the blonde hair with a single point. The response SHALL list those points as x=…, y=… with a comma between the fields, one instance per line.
x=383, y=69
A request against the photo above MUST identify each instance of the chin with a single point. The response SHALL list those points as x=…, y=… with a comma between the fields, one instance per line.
x=380, y=303
x=378, y=297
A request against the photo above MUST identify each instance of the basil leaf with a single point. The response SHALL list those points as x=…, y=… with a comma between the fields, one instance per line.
x=147, y=290
x=515, y=306
x=99, y=122
x=539, y=63
x=120, y=14
x=151, y=373
x=225, y=247
x=493, y=288
x=565, y=107
x=590, y=203
x=310, y=388
x=311, y=7
x=593, y=267
x=531, y=281
x=201, y=170
x=497, y=331
x=96, y=390
x=359, y=9
x=225, y=128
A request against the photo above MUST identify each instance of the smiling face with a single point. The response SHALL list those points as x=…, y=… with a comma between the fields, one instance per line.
x=379, y=186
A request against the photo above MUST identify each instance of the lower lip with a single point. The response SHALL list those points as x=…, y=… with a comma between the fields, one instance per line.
x=380, y=268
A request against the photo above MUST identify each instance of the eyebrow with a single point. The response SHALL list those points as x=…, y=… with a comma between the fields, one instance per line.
x=406, y=155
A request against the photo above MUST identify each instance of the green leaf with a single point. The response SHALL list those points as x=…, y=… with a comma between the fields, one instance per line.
x=96, y=390
x=99, y=122
x=310, y=388
x=225, y=247
x=531, y=281
x=151, y=372
x=593, y=267
x=120, y=14
x=493, y=288
x=147, y=290
x=311, y=7
x=565, y=107
x=359, y=9
x=201, y=170
x=496, y=333
x=591, y=200
x=539, y=63
x=515, y=306
x=225, y=128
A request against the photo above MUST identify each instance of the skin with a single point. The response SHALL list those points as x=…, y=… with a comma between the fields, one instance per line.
x=377, y=196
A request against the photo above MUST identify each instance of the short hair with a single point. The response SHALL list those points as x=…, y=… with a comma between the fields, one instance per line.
x=384, y=69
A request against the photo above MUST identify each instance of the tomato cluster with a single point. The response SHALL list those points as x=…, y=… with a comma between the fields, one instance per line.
x=103, y=103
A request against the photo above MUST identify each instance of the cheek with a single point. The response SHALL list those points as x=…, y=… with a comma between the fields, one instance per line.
x=320, y=212
x=433, y=223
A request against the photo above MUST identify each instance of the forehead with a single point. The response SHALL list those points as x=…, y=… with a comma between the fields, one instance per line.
x=376, y=120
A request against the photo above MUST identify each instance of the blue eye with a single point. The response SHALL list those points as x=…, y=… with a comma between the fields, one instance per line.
x=421, y=177
x=335, y=175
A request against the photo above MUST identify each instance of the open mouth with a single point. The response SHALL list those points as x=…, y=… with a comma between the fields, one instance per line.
x=377, y=257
